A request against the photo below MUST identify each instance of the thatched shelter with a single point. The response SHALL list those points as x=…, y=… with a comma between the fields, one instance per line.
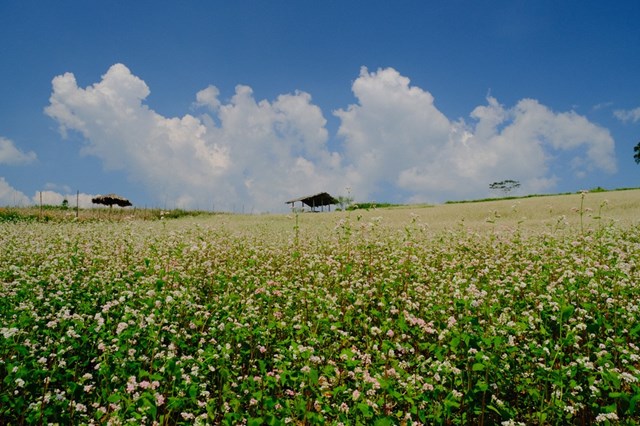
x=314, y=201
x=110, y=200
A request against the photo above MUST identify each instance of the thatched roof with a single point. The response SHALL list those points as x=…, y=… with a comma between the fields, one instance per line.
x=317, y=200
x=110, y=200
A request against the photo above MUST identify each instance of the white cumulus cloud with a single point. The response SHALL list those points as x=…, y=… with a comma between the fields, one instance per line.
x=54, y=198
x=10, y=154
x=9, y=196
x=393, y=128
x=396, y=134
x=259, y=154
x=208, y=97
x=255, y=154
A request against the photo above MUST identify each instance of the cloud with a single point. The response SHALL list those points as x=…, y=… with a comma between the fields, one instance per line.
x=259, y=155
x=50, y=186
x=9, y=196
x=208, y=97
x=255, y=154
x=632, y=115
x=393, y=127
x=11, y=155
x=53, y=198
x=396, y=134
x=278, y=149
x=602, y=105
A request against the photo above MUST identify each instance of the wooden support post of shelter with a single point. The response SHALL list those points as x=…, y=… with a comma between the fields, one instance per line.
x=318, y=200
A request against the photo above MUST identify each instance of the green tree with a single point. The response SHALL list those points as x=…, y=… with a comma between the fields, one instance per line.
x=505, y=186
x=636, y=156
x=344, y=201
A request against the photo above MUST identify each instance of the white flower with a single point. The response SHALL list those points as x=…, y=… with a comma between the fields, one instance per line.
x=627, y=377
x=603, y=417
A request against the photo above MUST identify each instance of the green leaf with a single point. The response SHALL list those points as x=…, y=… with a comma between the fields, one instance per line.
x=455, y=342
x=364, y=409
x=482, y=386
x=478, y=366
x=451, y=403
x=494, y=409
x=632, y=404
x=567, y=311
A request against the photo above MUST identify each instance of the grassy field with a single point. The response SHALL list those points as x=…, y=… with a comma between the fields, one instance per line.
x=536, y=214
x=503, y=312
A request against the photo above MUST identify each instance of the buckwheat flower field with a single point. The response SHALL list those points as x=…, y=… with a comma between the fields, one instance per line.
x=511, y=312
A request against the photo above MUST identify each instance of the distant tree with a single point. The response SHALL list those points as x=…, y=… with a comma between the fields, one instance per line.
x=65, y=204
x=636, y=156
x=505, y=186
x=344, y=201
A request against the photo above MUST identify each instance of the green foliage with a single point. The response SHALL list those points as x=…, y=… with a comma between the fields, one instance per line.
x=598, y=189
x=344, y=201
x=62, y=213
x=177, y=213
x=369, y=206
x=14, y=215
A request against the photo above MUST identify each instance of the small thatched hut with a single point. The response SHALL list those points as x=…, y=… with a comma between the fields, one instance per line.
x=314, y=201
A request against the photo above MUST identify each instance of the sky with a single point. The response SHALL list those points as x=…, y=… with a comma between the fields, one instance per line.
x=240, y=106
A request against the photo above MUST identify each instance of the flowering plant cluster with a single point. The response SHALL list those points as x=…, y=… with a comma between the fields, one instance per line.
x=189, y=323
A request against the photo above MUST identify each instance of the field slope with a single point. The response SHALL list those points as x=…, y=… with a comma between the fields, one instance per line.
x=504, y=312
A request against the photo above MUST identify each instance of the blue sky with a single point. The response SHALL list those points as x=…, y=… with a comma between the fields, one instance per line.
x=240, y=106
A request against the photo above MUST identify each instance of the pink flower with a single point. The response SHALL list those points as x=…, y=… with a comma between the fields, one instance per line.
x=356, y=394
x=121, y=327
x=159, y=399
